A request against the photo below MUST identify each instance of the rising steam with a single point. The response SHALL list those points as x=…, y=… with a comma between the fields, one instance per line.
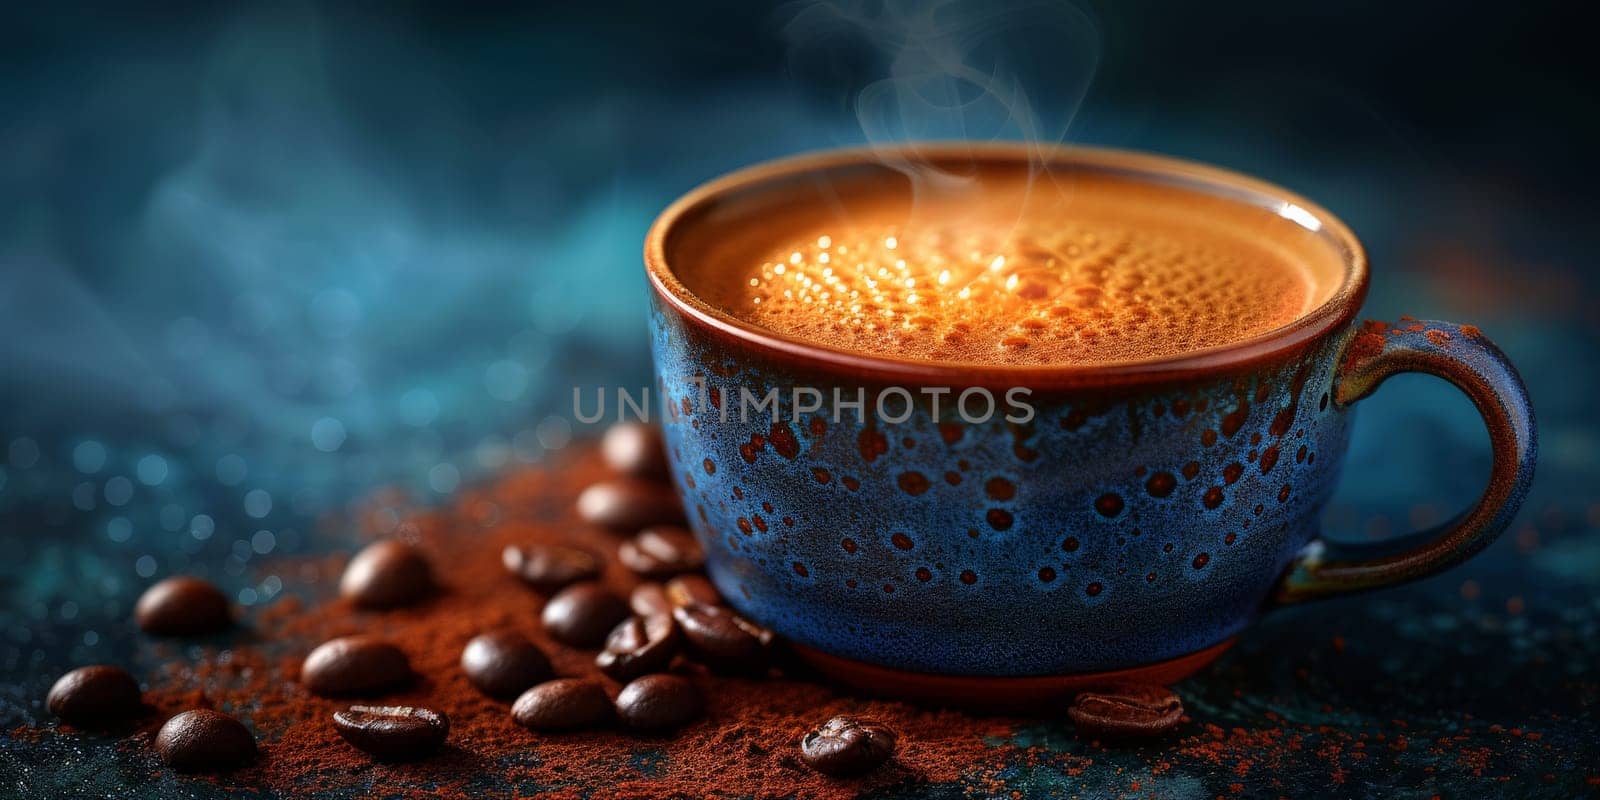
x=952, y=70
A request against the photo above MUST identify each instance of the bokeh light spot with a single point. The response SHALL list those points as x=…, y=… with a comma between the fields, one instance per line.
x=493, y=452
x=83, y=496
x=444, y=478
x=263, y=542
x=554, y=433
x=89, y=456
x=257, y=503
x=506, y=380
x=152, y=470
x=327, y=434
x=119, y=529
x=202, y=526
x=119, y=491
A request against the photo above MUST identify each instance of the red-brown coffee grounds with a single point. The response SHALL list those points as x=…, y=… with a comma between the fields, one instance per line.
x=744, y=746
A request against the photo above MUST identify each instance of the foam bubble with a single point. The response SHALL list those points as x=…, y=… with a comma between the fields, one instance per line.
x=1042, y=289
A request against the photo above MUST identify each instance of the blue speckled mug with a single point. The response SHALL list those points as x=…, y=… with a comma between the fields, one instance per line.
x=1143, y=516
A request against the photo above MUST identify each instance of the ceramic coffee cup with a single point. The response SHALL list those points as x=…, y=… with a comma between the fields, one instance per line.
x=1141, y=518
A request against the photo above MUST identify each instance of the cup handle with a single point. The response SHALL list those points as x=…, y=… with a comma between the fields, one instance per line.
x=1461, y=355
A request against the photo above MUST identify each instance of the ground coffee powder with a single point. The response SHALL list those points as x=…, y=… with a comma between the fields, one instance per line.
x=744, y=745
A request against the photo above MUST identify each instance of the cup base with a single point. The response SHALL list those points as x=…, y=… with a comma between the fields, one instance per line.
x=1025, y=695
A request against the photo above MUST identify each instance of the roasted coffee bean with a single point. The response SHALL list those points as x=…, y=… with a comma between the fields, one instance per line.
x=658, y=702
x=182, y=606
x=628, y=504
x=582, y=614
x=723, y=640
x=392, y=733
x=504, y=663
x=639, y=646
x=1126, y=711
x=649, y=598
x=689, y=589
x=548, y=567
x=386, y=574
x=94, y=695
x=203, y=740
x=662, y=551
x=564, y=704
x=635, y=448
x=845, y=746
x=355, y=665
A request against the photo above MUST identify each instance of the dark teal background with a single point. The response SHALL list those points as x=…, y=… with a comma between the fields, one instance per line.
x=257, y=259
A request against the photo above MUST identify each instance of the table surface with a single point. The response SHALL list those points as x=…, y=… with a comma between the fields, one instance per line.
x=1479, y=683
x=240, y=319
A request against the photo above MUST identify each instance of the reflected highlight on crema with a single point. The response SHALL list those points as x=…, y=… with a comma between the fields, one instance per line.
x=1089, y=271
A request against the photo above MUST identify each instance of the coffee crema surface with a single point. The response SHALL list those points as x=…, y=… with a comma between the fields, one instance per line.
x=1023, y=270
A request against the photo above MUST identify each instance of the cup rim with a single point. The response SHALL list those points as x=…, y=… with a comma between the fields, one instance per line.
x=1331, y=315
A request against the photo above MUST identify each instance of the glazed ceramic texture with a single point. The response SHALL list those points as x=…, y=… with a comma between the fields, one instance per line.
x=1144, y=515
x=1116, y=528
